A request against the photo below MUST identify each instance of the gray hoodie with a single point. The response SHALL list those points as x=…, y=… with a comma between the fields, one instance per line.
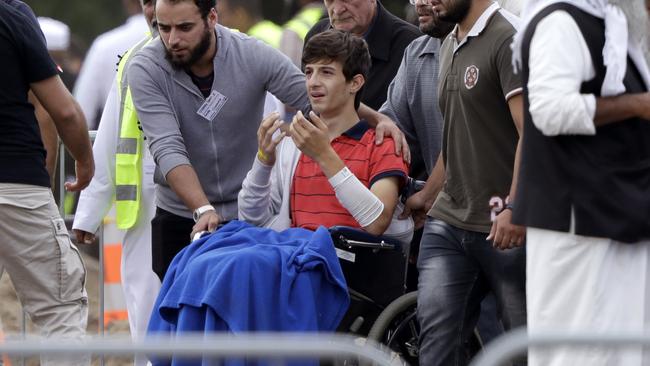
x=221, y=150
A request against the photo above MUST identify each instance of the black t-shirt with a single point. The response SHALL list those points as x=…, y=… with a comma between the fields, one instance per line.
x=23, y=60
x=204, y=83
x=25, y=10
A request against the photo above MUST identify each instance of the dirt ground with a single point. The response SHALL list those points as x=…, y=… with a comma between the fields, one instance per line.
x=11, y=314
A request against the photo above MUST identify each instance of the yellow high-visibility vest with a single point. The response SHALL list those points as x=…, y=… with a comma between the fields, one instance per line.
x=305, y=20
x=268, y=32
x=128, y=155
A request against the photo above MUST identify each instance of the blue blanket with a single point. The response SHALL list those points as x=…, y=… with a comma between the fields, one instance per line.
x=244, y=278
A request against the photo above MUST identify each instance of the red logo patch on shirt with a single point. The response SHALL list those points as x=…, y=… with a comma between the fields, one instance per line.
x=471, y=76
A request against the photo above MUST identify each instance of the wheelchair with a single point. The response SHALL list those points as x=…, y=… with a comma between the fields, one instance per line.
x=382, y=306
x=382, y=281
x=381, y=275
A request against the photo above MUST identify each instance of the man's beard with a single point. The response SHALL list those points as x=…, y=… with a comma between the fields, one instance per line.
x=457, y=11
x=436, y=28
x=195, y=54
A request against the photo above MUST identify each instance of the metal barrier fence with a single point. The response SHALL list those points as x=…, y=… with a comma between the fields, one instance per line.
x=283, y=346
x=516, y=342
x=278, y=347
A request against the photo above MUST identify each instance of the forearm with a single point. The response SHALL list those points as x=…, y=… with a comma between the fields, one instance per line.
x=367, y=208
x=516, y=105
x=620, y=108
x=185, y=183
x=50, y=139
x=515, y=173
x=254, y=198
x=381, y=223
x=434, y=182
x=74, y=133
x=359, y=201
x=330, y=163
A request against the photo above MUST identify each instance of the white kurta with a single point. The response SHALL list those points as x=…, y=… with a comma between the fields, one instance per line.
x=139, y=283
x=576, y=282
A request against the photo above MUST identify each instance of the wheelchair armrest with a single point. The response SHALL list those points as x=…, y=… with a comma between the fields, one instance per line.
x=358, y=237
x=204, y=233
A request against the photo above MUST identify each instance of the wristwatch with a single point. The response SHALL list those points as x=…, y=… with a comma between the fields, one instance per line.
x=196, y=215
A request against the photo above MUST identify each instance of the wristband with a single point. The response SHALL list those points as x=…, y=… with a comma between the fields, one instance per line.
x=262, y=157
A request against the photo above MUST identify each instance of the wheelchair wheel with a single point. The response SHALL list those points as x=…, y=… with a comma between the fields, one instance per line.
x=398, y=329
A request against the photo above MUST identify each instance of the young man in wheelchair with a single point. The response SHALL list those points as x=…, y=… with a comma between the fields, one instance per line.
x=325, y=169
x=321, y=170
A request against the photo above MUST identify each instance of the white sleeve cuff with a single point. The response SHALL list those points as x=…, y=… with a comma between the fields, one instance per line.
x=583, y=121
x=590, y=106
x=588, y=126
x=514, y=92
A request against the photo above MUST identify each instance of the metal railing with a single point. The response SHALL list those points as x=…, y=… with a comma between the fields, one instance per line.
x=516, y=342
x=279, y=347
x=283, y=346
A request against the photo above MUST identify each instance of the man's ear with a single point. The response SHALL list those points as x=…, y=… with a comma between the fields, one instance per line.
x=357, y=82
x=213, y=18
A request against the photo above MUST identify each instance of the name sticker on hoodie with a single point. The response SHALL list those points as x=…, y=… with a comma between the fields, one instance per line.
x=212, y=105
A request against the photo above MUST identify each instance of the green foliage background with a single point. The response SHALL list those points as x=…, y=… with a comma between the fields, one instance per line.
x=89, y=18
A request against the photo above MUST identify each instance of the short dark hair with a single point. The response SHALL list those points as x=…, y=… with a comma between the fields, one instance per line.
x=344, y=47
x=203, y=5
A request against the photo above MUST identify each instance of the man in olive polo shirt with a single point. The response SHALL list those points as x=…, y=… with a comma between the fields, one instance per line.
x=464, y=253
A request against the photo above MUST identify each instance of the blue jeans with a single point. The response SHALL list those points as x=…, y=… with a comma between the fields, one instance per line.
x=457, y=269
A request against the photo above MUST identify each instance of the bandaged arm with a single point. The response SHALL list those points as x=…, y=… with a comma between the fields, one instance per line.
x=365, y=204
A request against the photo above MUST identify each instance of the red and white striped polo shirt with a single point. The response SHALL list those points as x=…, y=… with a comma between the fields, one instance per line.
x=313, y=202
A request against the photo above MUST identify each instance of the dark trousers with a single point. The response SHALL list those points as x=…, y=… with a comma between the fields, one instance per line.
x=457, y=269
x=169, y=234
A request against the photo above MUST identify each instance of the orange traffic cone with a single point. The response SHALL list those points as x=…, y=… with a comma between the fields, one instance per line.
x=114, y=303
x=4, y=360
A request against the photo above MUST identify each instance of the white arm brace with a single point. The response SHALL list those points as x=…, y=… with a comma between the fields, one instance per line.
x=362, y=204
